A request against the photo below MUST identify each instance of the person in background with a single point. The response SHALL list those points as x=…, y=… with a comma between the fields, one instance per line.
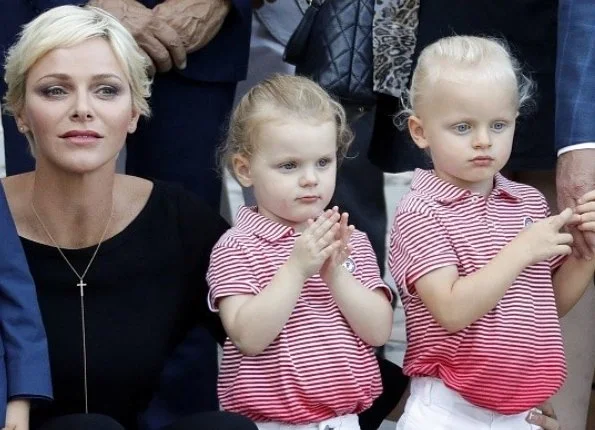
x=575, y=175
x=119, y=262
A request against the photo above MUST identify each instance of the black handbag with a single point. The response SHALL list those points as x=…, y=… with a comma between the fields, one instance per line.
x=332, y=45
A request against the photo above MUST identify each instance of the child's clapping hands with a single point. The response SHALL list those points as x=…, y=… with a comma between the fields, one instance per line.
x=339, y=254
x=324, y=244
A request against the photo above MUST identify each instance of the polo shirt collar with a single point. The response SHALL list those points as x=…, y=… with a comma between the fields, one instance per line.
x=426, y=182
x=250, y=221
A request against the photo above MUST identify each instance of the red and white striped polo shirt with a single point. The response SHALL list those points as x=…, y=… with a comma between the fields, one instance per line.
x=317, y=368
x=512, y=358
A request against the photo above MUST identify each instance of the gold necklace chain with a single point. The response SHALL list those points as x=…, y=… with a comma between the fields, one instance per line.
x=81, y=284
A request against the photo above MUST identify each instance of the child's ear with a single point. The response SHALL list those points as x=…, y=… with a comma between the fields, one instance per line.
x=416, y=129
x=241, y=170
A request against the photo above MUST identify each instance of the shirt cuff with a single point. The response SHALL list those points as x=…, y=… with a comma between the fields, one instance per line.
x=586, y=145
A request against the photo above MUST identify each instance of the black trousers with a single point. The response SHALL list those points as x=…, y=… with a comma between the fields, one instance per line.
x=394, y=384
x=203, y=420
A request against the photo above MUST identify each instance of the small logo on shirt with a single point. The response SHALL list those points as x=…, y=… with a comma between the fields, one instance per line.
x=528, y=221
x=349, y=264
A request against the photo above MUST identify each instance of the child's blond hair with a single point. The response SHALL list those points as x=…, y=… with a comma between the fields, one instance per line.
x=461, y=57
x=281, y=96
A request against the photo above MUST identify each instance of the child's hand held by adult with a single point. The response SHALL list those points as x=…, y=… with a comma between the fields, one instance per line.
x=543, y=239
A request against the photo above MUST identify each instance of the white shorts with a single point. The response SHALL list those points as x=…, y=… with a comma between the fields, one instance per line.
x=345, y=422
x=433, y=406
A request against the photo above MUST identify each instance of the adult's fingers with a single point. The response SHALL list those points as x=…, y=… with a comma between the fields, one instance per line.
x=585, y=207
x=590, y=239
x=580, y=246
x=586, y=227
x=544, y=421
x=587, y=197
x=171, y=40
x=158, y=53
x=575, y=177
x=547, y=409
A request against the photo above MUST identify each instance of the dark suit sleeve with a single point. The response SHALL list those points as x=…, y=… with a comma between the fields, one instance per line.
x=575, y=73
x=23, y=334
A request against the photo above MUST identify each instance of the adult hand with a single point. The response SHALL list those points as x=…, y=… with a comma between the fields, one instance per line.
x=575, y=175
x=257, y=4
x=547, y=419
x=157, y=38
x=197, y=22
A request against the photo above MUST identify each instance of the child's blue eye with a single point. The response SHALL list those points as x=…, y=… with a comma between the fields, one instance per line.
x=288, y=166
x=499, y=126
x=462, y=128
x=323, y=162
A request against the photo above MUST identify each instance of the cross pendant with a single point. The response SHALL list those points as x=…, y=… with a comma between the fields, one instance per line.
x=82, y=285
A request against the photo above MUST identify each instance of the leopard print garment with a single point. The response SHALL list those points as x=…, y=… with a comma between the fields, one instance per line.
x=394, y=37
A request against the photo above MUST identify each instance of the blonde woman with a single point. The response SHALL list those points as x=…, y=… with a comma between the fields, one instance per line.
x=119, y=262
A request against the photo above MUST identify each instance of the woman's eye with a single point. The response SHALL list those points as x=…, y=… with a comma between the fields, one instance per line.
x=53, y=91
x=108, y=91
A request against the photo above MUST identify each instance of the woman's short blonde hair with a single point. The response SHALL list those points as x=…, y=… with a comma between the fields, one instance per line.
x=459, y=57
x=276, y=98
x=67, y=26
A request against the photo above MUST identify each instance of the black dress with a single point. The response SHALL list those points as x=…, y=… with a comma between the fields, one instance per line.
x=529, y=27
x=145, y=291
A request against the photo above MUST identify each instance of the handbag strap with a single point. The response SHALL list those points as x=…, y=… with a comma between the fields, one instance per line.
x=295, y=49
